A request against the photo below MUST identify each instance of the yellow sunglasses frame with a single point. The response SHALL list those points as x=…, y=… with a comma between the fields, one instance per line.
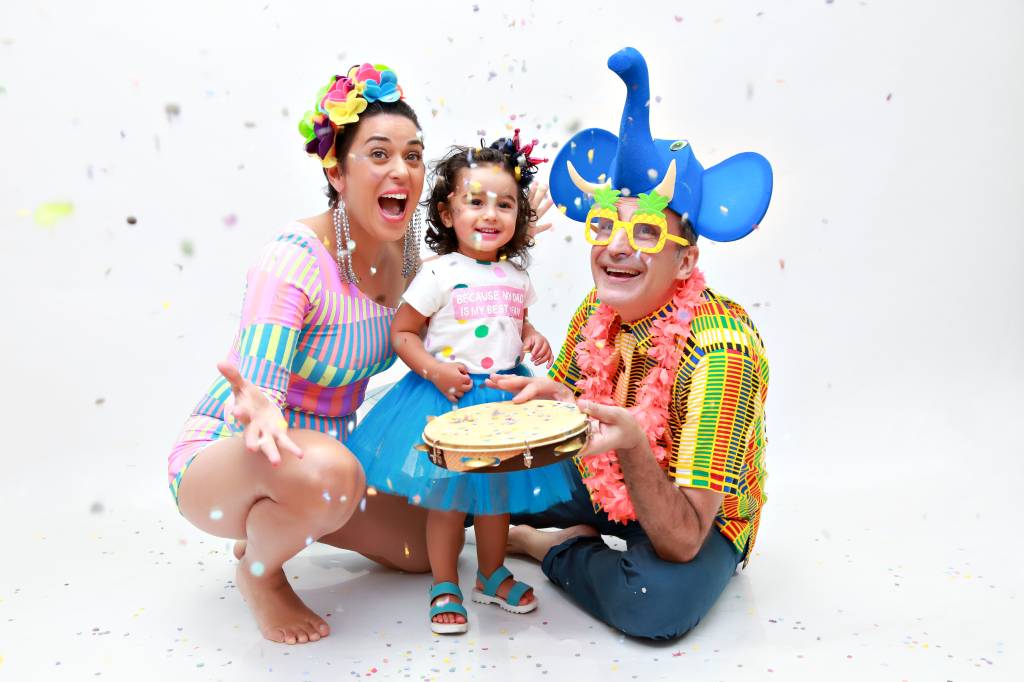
x=649, y=218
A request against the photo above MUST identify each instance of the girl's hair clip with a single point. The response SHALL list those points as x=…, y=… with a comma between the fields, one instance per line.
x=525, y=165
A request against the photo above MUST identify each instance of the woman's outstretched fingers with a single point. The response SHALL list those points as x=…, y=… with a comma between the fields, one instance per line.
x=269, y=448
x=233, y=376
x=286, y=443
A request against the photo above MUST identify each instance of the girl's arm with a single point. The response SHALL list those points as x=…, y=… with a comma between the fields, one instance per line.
x=451, y=378
x=535, y=344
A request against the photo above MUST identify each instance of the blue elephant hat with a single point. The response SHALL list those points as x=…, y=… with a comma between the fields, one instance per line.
x=724, y=203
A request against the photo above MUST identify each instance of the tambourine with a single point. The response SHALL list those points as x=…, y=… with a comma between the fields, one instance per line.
x=501, y=437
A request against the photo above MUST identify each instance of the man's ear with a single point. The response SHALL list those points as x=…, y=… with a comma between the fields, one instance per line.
x=336, y=178
x=688, y=261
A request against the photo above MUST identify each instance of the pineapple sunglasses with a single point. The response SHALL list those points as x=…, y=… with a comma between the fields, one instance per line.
x=647, y=232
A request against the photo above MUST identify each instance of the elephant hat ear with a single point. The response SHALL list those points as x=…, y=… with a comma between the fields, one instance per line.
x=723, y=203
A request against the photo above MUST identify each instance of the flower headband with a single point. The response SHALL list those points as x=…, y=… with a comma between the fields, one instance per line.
x=525, y=165
x=340, y=102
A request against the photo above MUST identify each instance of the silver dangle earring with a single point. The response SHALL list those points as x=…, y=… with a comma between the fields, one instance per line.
x=411, y=246
x=343, y=243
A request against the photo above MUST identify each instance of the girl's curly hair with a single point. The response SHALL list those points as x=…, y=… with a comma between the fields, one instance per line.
x=503, y=153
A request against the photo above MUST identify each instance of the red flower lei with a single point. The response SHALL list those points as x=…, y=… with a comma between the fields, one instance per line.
x=595, y=356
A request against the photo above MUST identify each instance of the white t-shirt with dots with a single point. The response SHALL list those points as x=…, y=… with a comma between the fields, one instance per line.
x=476, y=310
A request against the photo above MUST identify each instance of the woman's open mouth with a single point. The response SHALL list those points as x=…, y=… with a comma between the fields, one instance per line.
x=392, y=205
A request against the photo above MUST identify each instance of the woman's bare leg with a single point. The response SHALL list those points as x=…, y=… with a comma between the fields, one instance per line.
x=231, y=492
x=389, y=531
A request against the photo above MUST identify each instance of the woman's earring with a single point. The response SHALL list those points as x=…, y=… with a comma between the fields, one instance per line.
x=343, y=243
x=411, y=246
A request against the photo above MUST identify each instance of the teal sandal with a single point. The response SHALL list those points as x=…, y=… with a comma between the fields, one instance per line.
x=449, y=607
x=489, y=594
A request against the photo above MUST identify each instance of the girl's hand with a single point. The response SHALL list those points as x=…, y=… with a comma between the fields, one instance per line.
x=452, y=379
x=538, y=347
x=266, y=430
x=541, y=202
x=614, y=428
x=528, y=388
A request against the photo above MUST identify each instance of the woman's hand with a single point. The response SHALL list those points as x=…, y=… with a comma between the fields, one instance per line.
x=529, y=388
x=266, y=430
x=613, y=428
x=538, y=347
x=541, y=202
x=452, y=379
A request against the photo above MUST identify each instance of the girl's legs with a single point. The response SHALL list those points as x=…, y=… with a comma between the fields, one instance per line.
x=445, y=536
x=231, y=492
x=491, y=541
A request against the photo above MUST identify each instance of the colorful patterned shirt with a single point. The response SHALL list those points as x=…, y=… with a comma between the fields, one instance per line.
x=716, y=416
x=308, y=340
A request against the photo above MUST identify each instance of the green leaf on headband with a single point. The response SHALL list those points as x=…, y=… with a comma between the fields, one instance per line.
x=306, y=128
x=606, y=197
x=651, y=202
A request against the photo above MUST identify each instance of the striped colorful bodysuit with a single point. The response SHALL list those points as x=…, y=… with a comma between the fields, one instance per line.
x=308, y=340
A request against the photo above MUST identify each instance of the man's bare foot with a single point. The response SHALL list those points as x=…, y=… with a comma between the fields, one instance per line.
x=238, y=549
x=280, y=614
x=536, y=543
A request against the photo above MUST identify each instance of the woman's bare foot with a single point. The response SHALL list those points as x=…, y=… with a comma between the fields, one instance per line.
x=536, y=543
x=280, y=614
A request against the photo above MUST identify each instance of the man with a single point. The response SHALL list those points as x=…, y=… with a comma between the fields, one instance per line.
x=666, y=368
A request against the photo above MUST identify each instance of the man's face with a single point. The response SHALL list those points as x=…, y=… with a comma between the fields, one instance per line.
x=636, y=284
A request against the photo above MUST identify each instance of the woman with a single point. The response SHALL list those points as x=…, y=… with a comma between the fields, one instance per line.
x=261, y=458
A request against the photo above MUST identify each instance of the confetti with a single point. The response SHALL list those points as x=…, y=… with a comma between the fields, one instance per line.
x=327, y=496
x=309, y=540
x=131, y=220
x=188, y=249
x=230, y=220
x=47, y=215
x=216, y=514
x=172, y=110
x=256, y=568
x=96, y=508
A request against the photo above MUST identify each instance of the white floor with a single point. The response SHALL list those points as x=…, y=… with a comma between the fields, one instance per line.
x=890, y=577
x=885, y=280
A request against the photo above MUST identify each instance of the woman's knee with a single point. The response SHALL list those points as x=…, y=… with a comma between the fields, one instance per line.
x=328, y=477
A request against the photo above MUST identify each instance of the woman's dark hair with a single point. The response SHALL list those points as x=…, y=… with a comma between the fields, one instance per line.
x=441, y=239
x=344, y=137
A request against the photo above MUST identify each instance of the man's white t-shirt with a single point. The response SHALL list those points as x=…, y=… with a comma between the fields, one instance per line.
x=476, y=310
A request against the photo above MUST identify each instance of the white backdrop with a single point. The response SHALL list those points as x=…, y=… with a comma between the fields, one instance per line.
x=885, y=278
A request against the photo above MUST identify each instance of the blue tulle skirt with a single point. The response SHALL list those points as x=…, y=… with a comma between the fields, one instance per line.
x=383, y=442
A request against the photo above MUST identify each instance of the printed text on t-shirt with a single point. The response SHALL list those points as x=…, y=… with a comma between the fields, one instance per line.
x=472, y=303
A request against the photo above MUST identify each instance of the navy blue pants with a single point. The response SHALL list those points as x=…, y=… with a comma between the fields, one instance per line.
x=634, y=590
